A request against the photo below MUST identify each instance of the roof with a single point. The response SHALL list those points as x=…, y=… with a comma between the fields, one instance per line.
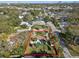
x=25, y=23
x=38, y=23
x=40, y=30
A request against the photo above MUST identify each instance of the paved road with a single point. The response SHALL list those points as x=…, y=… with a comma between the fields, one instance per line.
x=66, y=51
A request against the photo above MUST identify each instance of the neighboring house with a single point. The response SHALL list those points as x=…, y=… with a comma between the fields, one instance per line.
x=38, y=23
x=20, y=17
x=49, y=7
x=63, y=24
x=24, y=13
x=27, y=24
x=24, y=23
x=37, y=8
x=35, y=42
x=69, y=7
x=64, y=18
x=49, y=13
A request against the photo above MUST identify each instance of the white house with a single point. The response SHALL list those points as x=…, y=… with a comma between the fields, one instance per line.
x=20, y=17
x=35, y=42
x=25, y=23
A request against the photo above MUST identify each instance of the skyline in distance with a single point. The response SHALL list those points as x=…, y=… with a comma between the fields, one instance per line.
x=38, y=1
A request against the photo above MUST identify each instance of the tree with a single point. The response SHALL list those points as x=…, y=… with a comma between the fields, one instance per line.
x=47, y=18
x=28, y=17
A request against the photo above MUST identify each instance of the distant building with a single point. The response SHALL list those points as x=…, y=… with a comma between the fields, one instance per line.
x=63, y=18
x=50, y=7
x=69, y=7
x=64, y=24
x=49, y=13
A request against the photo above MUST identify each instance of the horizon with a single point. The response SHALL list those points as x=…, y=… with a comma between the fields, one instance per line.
x=39, y=1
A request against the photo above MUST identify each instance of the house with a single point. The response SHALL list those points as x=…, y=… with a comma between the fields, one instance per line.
x=37, y=8
x=20, y=17
x=50, y=7
x=22, y=30
x=64, y=18
x=38, y=23
x=69, y=7
x=35, y=42
x=24, y=23
x=24, y=13
x=27, y=24
x=64, y=24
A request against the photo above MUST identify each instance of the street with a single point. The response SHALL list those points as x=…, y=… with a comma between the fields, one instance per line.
x=65, y=50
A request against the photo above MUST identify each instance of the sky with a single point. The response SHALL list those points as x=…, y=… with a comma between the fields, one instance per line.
x=39, y=0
